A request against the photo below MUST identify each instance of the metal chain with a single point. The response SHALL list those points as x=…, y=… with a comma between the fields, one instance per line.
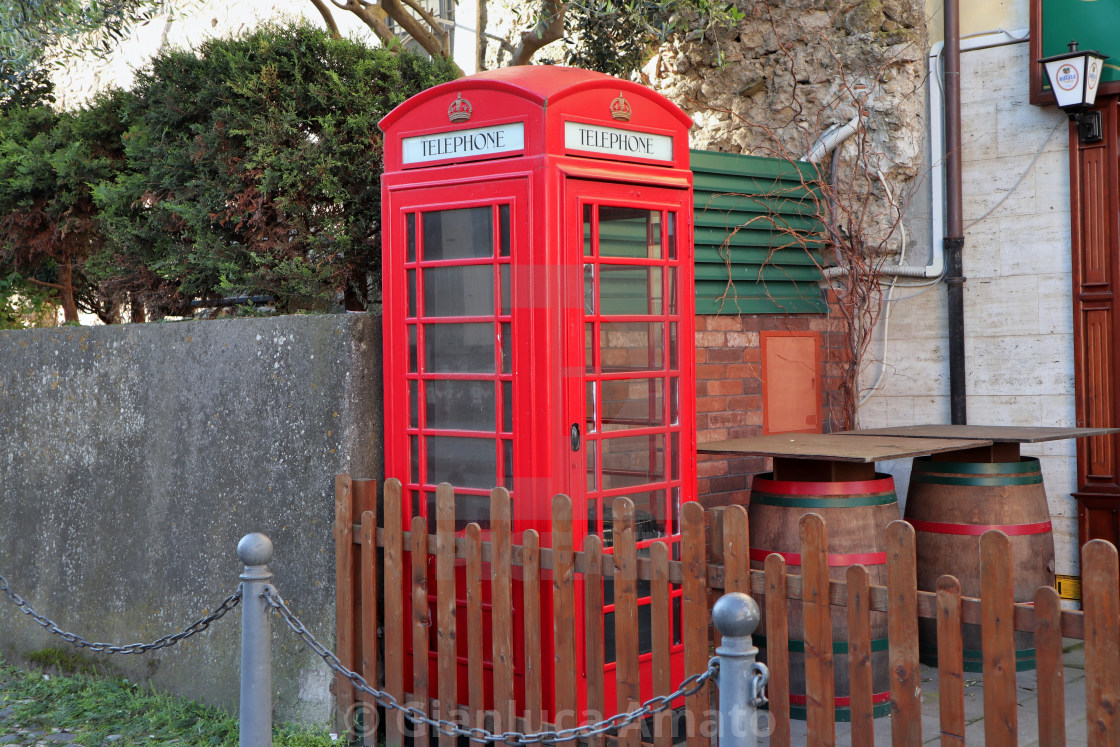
x=759, y=680
x=132, y=648
x=689, y=686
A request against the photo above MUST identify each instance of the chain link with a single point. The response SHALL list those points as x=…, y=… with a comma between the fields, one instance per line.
x=759, y=680
x=132, y=648
x=689, y=686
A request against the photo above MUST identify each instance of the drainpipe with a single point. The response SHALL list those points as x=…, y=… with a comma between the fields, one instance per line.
x=954, y=216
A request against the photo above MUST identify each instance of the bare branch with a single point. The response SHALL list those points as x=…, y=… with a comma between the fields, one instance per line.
x=328, y=18
x=549, y=29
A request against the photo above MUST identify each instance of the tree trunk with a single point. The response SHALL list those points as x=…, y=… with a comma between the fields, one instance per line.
x=66, y=292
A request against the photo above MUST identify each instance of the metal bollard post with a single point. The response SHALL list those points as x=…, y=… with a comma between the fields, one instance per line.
x=741, y=678
x=255, y=551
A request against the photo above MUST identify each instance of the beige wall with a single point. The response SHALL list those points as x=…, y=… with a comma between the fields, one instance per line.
x=979, y=16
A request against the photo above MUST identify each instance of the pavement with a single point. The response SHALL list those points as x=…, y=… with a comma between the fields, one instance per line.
x=1027, y=697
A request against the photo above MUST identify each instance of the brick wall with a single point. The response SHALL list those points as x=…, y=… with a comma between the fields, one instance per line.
x=729, y=392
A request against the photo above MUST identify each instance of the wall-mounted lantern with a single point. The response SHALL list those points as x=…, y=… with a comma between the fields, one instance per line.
x=1074, y=77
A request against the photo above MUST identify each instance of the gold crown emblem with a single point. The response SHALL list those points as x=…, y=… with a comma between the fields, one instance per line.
x=620, y=109
x=460, y=109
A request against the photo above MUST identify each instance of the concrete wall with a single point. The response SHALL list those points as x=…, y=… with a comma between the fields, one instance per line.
x=1018, y=298
x=133, y=458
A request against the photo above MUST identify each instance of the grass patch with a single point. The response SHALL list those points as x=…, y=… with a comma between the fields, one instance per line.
x=95, y=706
x=69, y=662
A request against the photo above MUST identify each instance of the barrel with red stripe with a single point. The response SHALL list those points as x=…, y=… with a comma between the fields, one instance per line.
x=950, y=505
x=856, y=514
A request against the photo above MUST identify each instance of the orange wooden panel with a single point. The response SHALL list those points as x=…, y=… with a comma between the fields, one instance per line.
x=859, y=655
x=474, y=622
x=777, y=649
x=1051, y=672
x=662, y=641
x=501, y=609
x=531, y=598
x=369, y=622
x=593, y=631
x=695, y=614
x=902, y=627
x=820, y=685
x=626, y=617
x=950, y=661
x=791, y=382
x=736, y=553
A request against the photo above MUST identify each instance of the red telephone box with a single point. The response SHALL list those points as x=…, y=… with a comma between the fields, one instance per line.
x=538, y=307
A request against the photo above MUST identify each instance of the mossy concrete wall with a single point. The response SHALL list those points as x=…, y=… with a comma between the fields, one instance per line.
x=133, y=458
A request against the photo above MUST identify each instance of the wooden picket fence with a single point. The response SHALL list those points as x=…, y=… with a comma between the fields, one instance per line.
x=714, y=558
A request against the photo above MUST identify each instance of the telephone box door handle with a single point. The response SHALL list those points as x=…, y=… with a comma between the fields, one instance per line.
x=575, y=436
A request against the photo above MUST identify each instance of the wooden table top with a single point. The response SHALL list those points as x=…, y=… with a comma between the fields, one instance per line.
x=995, y=433
x=861, y=448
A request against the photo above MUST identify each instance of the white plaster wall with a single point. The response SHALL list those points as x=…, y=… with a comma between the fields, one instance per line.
x=1017, y=298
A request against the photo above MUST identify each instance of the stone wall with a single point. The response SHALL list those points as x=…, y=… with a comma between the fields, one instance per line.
x=133, y=458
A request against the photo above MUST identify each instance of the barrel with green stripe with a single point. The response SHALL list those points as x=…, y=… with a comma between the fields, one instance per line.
x=856, y=514
x=950, y=505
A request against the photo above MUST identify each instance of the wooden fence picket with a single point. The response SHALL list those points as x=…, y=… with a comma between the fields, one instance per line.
x=344, y=594
x=695, y=614
x=531, y=614
x=661, y=636
x=777, y=649
x=820, y=685
x=421, y=619
x=369, y=621
x=950, y=661
x=563, y=613
x=736, y=551
x=860, y=685
x=593, y=633
x=902, y=624
x=445, y=608
x=1100, y=578
x=1051, y=673
x=997, y=637
x=628, y=695
x=475, y=666
x=501, y=608
x=394, y=600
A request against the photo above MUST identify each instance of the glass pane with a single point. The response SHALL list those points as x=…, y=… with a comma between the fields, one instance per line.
x=633, y=460
x=671, y=291
x=674, y=359
x=463, y=462
x=633, y=403
x=589, y=347
x=650, y=521
x=674, y=401
x=629, y=290
x=506, y=298
x=466, y=233
x=459, y=348
x=507, y=348
x=589, y=289
x=631, y=346
x=592, y=459
x=468, y=508
x=507, y=457
x=671, y=230
x=411, y=233
x=507, y=406
x=414, y=406
x=459, y=291
x=588, y=213
x=677, y=621
x=412, y=349
x=592, y=405
x=412, y=293
x=460, y=405
x=414, y=459
x=504, y=240
x=645, y=633
x=675, y=512
x=629, y=232
x=675, y=456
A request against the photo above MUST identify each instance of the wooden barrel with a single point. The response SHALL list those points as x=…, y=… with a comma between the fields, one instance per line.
x=950, y=505
x=856, y=514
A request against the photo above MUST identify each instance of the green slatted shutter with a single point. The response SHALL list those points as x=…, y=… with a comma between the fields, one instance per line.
x=751, y=204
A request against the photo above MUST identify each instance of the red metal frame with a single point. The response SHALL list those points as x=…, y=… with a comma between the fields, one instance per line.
x=546, y=185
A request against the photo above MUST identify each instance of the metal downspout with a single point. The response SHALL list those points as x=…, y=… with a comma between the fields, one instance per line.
x=954, y=230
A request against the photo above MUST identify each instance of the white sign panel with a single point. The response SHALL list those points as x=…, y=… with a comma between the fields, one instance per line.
x=480, y=141
x=617, y=142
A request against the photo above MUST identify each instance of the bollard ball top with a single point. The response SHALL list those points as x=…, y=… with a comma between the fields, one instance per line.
x=735, y=614
x=255, y=549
